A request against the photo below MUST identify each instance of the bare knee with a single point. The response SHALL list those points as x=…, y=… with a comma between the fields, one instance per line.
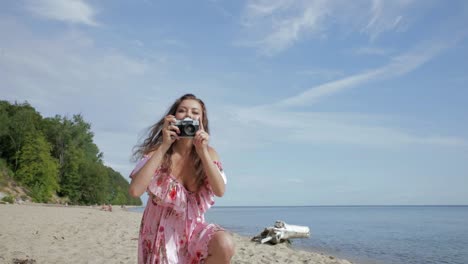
x=222, y=246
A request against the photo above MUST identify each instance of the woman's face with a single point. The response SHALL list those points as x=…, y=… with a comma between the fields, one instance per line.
x=189, y=108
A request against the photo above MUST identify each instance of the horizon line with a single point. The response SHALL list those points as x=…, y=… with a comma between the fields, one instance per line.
x=360, y=205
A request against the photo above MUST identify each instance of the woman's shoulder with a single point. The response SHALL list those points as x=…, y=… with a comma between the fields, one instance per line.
x=214, y=155
x=151, y=151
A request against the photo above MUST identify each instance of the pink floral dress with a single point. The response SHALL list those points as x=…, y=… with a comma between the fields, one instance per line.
x=173, y=227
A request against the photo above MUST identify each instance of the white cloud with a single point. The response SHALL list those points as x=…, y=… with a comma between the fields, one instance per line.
x=71, y=11
x=284, y=126
x=283, y=21
x=263, y=8
x=175, y=43
x=323, y=74
x=386, y=16
x=398, y=66
x=371, y=51
x=294, y=181
x=65, y=65
x=273, y=26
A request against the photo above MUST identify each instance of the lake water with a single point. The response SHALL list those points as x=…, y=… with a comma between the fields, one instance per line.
x=364, y=234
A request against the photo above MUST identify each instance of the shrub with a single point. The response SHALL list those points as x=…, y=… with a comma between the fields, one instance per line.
x=4, y=173
x=9, y=199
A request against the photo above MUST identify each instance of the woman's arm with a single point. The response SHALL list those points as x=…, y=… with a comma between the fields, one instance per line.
x=142, y=178
x=207, y=155
x=212, y=171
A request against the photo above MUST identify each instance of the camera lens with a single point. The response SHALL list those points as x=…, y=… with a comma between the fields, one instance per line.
x=189, y=130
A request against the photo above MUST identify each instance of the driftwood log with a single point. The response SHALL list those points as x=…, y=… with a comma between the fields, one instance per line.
x=281, y=232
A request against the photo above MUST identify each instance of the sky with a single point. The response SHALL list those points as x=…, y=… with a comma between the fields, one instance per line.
x=310, y=102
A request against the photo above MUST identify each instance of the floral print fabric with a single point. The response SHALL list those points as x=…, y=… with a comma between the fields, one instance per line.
x=173, y=227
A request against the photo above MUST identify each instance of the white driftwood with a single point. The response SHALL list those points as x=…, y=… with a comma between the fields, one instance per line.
x=281, y=232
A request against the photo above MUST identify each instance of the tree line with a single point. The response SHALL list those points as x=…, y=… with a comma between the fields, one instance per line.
x=57, y=156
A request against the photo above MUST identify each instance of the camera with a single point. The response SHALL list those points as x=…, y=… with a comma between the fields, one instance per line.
x=188, y=127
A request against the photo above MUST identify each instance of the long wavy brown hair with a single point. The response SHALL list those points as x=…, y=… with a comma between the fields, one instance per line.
x=154, y=138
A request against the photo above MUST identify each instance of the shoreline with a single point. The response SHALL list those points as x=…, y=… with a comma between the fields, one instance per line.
x=49, y=233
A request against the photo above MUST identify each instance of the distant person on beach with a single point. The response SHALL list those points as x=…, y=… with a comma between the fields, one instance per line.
x=106, y=207
x=181, y=174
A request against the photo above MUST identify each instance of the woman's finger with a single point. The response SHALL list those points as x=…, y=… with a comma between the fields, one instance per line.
x=201, y=133
x=200, y=120
x=174, y=128
x=198, y=138
x=169, y=120
x=203, y=138
x=173, y=135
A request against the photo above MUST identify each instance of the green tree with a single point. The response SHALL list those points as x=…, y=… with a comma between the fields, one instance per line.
x=78, y=157
x=4, y=118
x=119, y=197
x=22, y=119
x=70, y=181
x=94, y=180
x=5, y=140
x=118, y=189
x=38, y=169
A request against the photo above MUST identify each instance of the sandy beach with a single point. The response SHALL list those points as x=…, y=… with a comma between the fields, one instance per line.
x=33, y=233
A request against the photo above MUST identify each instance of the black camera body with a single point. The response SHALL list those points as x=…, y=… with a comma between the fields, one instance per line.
x=188, y=127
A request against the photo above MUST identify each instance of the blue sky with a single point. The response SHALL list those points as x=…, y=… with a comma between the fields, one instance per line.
x=310, y=102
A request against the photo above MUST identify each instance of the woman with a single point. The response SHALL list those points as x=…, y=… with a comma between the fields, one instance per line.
x=181, y=176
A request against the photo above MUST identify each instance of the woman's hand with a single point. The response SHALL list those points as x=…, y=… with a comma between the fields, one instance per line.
x=201, y=139
x=170, y=132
